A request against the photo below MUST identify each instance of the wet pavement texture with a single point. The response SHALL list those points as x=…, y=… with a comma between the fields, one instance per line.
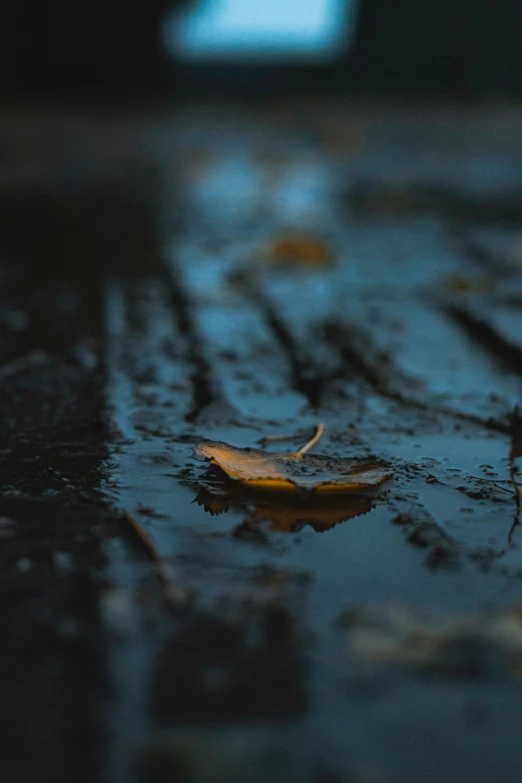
x=232, y=273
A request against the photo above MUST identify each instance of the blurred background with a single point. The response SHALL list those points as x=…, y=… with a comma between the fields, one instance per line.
x=449, y=45
x=232, y=219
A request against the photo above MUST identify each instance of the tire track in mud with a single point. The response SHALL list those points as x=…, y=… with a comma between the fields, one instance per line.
x=204, y=387
x=505, y=353
x=306, y=377
x=360, y=359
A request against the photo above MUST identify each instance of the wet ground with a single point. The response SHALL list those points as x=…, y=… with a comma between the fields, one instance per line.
x=231, y=273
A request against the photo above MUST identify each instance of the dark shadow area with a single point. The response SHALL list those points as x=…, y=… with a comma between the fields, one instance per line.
x=106, y=49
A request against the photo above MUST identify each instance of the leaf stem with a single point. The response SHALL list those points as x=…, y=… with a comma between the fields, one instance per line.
x=319, y=429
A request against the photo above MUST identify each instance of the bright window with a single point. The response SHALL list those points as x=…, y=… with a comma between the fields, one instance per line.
x=261, y=30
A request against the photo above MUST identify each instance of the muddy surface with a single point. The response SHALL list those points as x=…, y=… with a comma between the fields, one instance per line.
x=230, y=274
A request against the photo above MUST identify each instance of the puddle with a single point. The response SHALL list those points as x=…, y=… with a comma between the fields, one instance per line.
x=242, y=350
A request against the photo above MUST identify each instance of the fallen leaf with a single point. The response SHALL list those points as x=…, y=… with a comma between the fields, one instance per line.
x=469, y=285
x=300, y=250
x=295, y=471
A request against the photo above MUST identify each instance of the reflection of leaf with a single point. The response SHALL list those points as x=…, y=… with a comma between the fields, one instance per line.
x=213, y=504
x=291, y=514
x=285, y=472
x=287, y=512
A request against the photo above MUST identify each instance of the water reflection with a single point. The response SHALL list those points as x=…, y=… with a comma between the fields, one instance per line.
x=285, y=513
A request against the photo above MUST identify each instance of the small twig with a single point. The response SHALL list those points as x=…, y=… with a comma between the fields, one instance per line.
x=516, y=487
x=276, y=438
x=152, y=552
x=513, y=453
x=319, y=429
x=512, y=475
x=516, y=523
x=496, y=484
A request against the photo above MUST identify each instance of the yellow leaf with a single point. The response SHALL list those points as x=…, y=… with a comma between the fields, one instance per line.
x=297, y=471
x=300, y=250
